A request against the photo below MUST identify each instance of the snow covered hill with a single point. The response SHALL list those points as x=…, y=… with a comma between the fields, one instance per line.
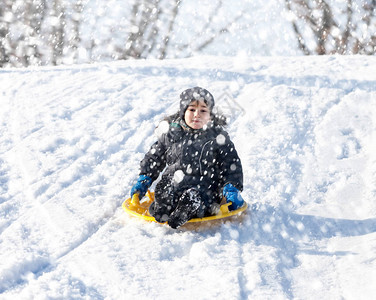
x=71, y=139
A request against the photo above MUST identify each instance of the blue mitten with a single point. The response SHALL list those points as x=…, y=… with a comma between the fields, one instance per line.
x=232, y=194
x=141, y=186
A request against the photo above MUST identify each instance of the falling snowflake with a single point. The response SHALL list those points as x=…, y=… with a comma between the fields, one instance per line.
x=162, y=128
x=220, y=139
x=178, y=176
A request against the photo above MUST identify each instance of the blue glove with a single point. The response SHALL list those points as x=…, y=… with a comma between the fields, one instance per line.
x=141, y=186
x=232, y=194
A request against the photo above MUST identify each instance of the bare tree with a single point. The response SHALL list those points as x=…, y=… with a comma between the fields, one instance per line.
x=153, y=26
x=152, y=23
x=357, y=35
x=56, y=35
x=39, y=32
x=20, y=24
x=367, y=45
x=215, y=32
x=76, y=18
x=4, y=33
x=144, y=29
x=166, y=39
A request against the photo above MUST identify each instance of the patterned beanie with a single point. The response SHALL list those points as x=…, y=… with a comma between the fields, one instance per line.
x=194, y=94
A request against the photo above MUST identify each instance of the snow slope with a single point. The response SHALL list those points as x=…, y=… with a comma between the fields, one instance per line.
x=71, y=141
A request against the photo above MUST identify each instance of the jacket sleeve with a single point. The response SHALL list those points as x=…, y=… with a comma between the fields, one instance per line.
x=230, y=167
x=154, y=160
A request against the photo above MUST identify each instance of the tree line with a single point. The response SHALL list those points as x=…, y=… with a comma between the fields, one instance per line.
x=49, y=32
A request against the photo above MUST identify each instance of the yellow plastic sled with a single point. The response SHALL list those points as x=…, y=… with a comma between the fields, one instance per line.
x=134, y=207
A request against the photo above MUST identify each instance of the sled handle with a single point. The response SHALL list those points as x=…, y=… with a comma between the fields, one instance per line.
x=136, y=198
x=149, y=195
x=224, y=208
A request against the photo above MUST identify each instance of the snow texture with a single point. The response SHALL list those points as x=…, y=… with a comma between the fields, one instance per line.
x=71, y=139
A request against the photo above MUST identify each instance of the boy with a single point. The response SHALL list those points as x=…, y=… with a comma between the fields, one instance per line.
x=202, y=164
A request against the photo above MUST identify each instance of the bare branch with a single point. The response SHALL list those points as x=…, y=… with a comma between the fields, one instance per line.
x=300, y=38
x=331, y=37
x=166, y=39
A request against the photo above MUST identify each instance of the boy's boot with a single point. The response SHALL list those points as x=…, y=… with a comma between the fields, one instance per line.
x=188, y=206
x=164, y=202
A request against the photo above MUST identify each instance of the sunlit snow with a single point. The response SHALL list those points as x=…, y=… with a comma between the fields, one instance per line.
x=71, y=139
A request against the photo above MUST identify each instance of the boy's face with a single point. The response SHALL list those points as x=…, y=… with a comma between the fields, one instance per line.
x=197, y=115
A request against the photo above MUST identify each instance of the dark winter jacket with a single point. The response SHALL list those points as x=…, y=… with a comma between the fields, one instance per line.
x=204, y=158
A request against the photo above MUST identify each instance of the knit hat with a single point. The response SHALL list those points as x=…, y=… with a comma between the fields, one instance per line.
x=194, y=94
